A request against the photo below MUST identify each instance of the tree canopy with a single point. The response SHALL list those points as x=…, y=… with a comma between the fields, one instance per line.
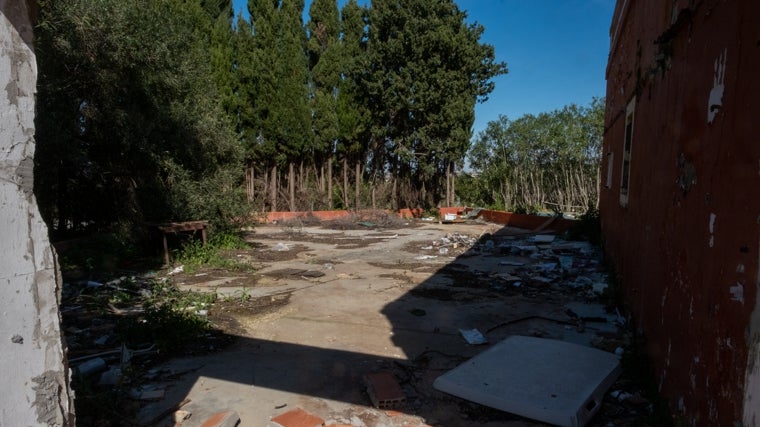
x=130, y=124
x=156, y=110
x=550, y=160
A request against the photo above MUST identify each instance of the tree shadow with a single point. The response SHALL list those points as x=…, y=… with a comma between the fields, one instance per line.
x=473, y=289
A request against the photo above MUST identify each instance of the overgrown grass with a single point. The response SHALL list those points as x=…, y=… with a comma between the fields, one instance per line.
x=589, y=227
x=194, y=254
x=172, y=319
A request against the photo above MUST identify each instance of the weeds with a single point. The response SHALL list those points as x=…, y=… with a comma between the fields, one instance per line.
x=589, y=227
x=172, y=319
x=194, y=254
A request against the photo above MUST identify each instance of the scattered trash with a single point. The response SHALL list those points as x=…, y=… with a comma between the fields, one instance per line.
x=111, y=377
x=92, y=366
x=425, y=257
x=148, y=393
x=544, y=238
x=443, y=251
x=311, y=274
x=177, y=270
x=473, y=336
x=281, y=247
x=621, y=395
x=180, y=416
x=508, y=277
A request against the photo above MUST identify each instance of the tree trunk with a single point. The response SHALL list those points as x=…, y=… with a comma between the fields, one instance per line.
x=453, y=185
x=345, y=182
x=329, y=183
x=36, y=381
x=273, y=189
x=357, y=185
x=394, y=194
x=249, y=183
x=292, y=186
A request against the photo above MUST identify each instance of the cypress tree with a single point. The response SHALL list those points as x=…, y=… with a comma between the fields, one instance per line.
x=426, y=70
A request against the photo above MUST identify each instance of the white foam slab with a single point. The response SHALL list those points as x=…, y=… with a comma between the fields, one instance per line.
x=547, y=380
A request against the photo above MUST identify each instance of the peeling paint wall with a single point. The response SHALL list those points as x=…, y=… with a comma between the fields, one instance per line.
x=686, y=245
x=35, y=379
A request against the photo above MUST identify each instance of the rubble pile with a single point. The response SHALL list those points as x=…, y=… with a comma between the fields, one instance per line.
x=118, y=330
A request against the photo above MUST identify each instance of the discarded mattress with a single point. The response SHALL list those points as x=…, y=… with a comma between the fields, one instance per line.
x=547, y=380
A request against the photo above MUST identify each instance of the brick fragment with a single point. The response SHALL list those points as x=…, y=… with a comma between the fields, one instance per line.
x=222, y=419
x=296, y=418
x=384, y=391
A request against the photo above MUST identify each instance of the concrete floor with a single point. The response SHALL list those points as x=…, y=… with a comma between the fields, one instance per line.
x=389, y=300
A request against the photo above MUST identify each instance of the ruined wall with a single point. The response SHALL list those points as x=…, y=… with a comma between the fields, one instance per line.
x=685, y=239
x=32, y=367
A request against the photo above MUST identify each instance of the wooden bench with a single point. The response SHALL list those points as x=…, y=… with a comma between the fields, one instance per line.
x=181, y=227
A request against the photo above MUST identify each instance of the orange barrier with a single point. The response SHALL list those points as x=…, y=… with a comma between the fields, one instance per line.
x=528, y=222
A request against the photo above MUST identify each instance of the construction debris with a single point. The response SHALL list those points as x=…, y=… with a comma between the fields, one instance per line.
x=547, y=380
x=384, y=391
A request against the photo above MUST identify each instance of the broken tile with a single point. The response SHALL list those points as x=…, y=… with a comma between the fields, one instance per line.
x=296, y=418
x=473, y=336
x=544, y=238
x=110, y=377
x=156, y=394
x=223, y=419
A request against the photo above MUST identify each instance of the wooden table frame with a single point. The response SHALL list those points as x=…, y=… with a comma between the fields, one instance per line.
x=179, y=227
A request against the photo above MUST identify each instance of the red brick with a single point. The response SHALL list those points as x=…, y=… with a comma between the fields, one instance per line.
x=297, y=418
x=384, y=391
x=222, y=419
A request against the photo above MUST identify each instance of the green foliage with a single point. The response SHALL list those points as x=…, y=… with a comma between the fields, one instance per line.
x=170, y=321
x=172, y=330
x=426, y=69
x=128, y=112
x=100, y=252
x=544, y=162
x=589, y=226
x=194, y=254
x=150, y=111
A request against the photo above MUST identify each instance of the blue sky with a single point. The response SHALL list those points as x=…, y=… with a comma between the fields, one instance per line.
x=556, y=52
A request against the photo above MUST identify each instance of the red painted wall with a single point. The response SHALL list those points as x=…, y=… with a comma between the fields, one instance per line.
x=686, y=245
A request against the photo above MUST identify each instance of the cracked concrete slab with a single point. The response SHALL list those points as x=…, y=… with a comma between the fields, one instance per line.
x=377, y=308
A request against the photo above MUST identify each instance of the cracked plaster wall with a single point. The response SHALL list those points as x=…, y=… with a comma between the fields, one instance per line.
x=36, y=389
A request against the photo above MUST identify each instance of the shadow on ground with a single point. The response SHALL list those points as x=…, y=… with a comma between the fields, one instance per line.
x=314, y=350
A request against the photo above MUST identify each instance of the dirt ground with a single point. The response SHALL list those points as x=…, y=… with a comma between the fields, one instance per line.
x=323, y=307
